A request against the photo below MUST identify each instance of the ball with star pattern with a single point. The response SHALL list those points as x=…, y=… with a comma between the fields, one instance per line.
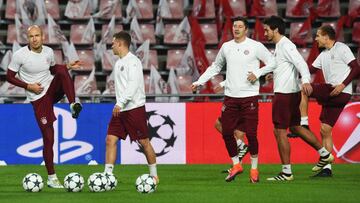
x=73, y=182
x=145, y=184
x=97, y=182
x=33, y=182
x=111, y=181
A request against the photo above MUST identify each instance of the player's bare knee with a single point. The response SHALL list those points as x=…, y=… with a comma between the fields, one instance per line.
x=144, y=142
x=295, y=129
x=325, y=129
x=110, y=140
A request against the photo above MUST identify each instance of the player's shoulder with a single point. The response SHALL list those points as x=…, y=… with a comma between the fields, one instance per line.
x=228, y=43
x=341, y=45
x=47, y=49
x=20, y=53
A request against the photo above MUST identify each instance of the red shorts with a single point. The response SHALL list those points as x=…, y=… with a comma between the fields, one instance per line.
x=132, y=122
x=44, y=107
x=285, y=110
x=331, y=106
x=240, y=114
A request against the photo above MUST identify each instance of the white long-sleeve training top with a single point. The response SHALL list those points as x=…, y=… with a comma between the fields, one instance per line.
x=289, y=63
x=129, y=82
x=240, y=59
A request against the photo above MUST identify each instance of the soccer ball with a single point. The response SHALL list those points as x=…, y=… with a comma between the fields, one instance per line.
x=33, y=182
x=111, y=181
x=73, y=182
x=145, y=184
x=97, y=182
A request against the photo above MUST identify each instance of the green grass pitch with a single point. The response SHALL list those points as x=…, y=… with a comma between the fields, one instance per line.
x=191, y=183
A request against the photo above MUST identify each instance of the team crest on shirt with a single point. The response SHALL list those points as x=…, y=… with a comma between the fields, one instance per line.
x=43, y=120
x=246, y=52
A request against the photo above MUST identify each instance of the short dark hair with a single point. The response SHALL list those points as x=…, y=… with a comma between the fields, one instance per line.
x=276, y=22
x=124, y=36
x=329, y=31
x=243, y=19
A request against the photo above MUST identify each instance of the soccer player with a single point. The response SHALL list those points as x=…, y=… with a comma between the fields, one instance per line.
x=240, y=107
x=129, y=115
x=285, y=109
x=45, y=84
x=339, y=67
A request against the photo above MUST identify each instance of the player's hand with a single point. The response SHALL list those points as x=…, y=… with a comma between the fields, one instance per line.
x=74, y=65
x=269, y=77
x=337, y=90
x=307, y=89
x=36, y=88
x=251, y=77
x=116, y=111
x=194, y=88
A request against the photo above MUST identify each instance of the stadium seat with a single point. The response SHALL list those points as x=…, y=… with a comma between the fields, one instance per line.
x=105, y=63
x=169, y=37
x=328, y=8
x=304, y=52
x=334, y=25
x=76, y=33
x=209, y=10
x=52, y=7
x=211, y=55
x=107, y=3
x=354, y=7
x=153, y=59
x=238, y=7
x=185, y=82
x=118, y=28
x=110, y=87
x=300, y=38
x=210, y=33
x=11, y=35
x=145, y=7
x=86, y=56
x=58, y=56
x=293, y=8
x=148, y=32
x=356, y=32
x=173, y=58
x=91, y=88
x=77, y=16
x=176, y=9
x=261, y=8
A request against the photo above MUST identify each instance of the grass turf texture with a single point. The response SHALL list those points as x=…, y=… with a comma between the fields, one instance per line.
x=191, y=183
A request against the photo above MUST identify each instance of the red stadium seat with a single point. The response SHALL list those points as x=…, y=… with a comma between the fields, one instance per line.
x=262, y=8
x=118, y=28
x=145, y=7
x=148, y=32
x=11, y=35
x=169, y=37
x=304, y=52
x=52, y=7
x=304, y=37
x=354, y=7
x=176, y=9
x=106, y=3
x=76, y=33
x=210, y=33
x=294, y=9
x=91, y=88
x=86, y=56
x=356, y=32
x=185, y=84
x=328, y=8
x=211, y=55
x=173, y=58
x=238, y=7
x=58, y=57
x=153, y=59
x=209, y=10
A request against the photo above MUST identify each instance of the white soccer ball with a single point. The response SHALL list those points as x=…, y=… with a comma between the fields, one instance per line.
x=33, y=182
x=97, y=182
x=73, y=182
x=111, y=181
x=145, y=184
